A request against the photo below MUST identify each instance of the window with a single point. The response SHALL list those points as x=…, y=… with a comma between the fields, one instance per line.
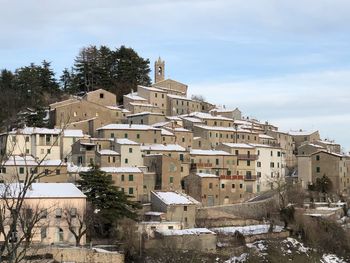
x=43, y=232
x=101, y=95
x=222, y=186
x=258, y=164
x=318, y=169
x=43, y=214
x=125, y=135
x=272, y=164
x=162, y=96
x=131, y=191
x=3, y=170
x=258, y=174
x=122, y=178
x=58, y=212
x=112, y=135
x=271, y=153
x=240, y=186
x=210, y=185
x=58, y=171
x=27, y=151
x=170, y=227
x=171, y=179
x=181, y=157
x=236, y=152
x=317, y=157
x=248, y=163
x=73, y=212
x=48, y=151
x=182, y=169
x=279, y=154
x=21, y=170
x=126, y=160
x=131, y=177
x=155, y=95
x=185, y=208
x=27, y=138
x=217, y=161
x=130, y=150
x=233, y=186
x=183, y=139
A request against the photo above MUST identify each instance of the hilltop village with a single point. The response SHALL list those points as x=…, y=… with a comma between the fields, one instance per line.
x=201, y=172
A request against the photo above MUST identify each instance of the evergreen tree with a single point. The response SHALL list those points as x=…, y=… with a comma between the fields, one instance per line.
x=109, y=203
x=132, y=70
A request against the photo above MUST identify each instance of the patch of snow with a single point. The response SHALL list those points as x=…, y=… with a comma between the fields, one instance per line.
x=247, y=230
x=239, y=259
x=331, y=258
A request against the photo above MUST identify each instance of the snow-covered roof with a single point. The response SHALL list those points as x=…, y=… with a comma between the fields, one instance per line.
x=193, y=119
x=259, y=145
x=44, y=190
x=124, y=169
x=134, y=96
x=145, y=113
x=71, y=168
x=182, y=232
x=20, y=161
x=126, y=141
x=208, y=152
x=107, y=152
x=151, y=88
x=178, y=97
x=161, y=124
x=180, y=129
x=143, y=104
x=153, y=213
x=301, y=133
x=203, y=115
x=166, y=133
x=73, y=133
x=220, y=128
x=127, y=127
x=264, y=136
x=247, y=230
x=205, y=175
x=52, y=163
x=35, y=130
x=113, y=107
x=174, y=118
x=238, y=145
x=162, y=147
x=175, y=198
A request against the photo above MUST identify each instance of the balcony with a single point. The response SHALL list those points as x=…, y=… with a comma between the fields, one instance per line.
x=201, y=165
x=248, y=157
x=249, y=177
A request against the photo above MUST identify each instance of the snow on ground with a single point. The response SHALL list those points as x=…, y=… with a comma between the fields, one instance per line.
x=239, y=259
x=247, y=230
x=296, y=245
x=290, y=247
x=331, y=258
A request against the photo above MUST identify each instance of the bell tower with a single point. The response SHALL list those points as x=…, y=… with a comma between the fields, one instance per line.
x=159, y=67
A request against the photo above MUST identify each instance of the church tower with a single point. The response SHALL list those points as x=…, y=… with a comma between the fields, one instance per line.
x=159, y=70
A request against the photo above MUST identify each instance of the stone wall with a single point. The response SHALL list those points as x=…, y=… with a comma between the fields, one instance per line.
x=84, y=255
x=233, y=212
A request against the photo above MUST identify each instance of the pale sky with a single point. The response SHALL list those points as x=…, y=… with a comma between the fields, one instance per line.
x=282, y=61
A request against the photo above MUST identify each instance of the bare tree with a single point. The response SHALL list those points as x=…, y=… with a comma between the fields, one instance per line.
x=19, y=221
x=79, y=222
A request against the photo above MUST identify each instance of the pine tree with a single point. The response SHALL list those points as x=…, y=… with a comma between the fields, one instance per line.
x=109, y=203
